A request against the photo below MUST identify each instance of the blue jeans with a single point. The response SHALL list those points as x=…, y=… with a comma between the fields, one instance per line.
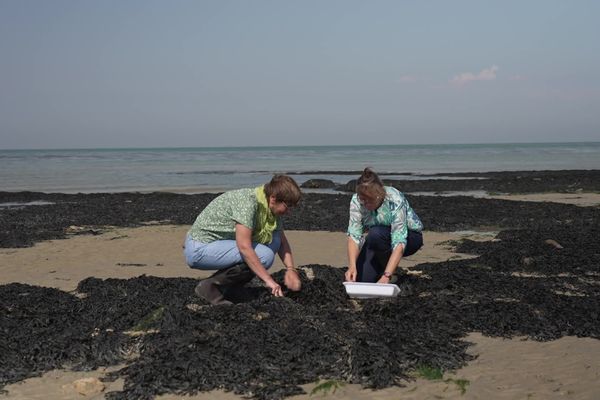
x=222, y=254
x=377, y=249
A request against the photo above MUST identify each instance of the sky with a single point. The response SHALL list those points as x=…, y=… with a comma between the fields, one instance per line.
x=144, y=73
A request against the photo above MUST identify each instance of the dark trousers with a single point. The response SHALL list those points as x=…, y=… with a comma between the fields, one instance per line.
x=377, y=249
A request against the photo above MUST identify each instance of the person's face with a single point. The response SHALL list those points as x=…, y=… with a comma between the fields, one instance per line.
x=278, y=207
x=370, y=202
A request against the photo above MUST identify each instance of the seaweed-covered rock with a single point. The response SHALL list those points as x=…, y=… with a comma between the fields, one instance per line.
x=318, y=184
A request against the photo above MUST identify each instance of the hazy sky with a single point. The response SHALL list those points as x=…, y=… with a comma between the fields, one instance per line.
x=199, y=73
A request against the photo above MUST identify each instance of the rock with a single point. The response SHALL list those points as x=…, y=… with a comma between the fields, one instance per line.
x=350, y=186
x=554, y=243
x=86, y=386
x=318, y=184
x=527, y=261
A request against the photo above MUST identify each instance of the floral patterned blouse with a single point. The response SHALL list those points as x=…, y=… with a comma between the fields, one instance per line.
x=394, y=212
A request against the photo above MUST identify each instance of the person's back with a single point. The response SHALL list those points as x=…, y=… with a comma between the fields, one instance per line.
x=217, y=220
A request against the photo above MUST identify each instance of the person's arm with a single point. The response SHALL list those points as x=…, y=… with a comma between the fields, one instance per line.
x=392, y=264
x=291, y=280
x=352, y=257
x=354, y=232
x=243, y=239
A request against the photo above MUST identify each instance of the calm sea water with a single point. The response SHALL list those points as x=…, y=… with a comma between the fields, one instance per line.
x=215, y=169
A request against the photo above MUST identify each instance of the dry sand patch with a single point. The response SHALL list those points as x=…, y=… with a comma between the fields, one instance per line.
x=156, y=250
x=578, y=199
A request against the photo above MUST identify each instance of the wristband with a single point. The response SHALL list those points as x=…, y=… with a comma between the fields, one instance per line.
x=387, y=274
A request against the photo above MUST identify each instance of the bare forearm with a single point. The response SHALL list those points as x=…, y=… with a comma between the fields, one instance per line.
x=291, y=279
x=285, y=253
x=254, y=263
x=395, y=258
x=352, y=253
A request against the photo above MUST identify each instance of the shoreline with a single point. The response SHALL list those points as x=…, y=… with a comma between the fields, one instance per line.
x=491, y=182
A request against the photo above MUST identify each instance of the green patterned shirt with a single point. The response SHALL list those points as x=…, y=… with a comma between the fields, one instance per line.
x=217, y=221
x=394, y=212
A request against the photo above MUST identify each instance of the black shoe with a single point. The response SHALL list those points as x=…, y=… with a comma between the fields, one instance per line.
x=236, y=291
x=208, y=290
x=212, y=289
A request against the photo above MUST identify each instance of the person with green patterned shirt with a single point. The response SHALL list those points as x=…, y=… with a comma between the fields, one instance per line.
x=393, y=230
x=238, y=234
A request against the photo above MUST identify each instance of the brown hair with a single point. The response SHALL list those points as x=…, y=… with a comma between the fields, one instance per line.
x=284, y=189
x=370, y=185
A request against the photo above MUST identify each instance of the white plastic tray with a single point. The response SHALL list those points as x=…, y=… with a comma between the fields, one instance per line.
x=365, y=290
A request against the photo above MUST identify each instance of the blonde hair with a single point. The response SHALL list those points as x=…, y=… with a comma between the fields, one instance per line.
x=369, y=184
x=284, y=188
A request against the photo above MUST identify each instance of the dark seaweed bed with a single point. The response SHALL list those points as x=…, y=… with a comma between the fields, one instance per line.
x=520, y=284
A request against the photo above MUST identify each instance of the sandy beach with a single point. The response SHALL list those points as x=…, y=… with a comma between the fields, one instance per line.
x=517, y=368
x=139, y=136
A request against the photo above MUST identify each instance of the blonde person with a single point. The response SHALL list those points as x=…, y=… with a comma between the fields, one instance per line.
x=382, y=229
x=238, y=235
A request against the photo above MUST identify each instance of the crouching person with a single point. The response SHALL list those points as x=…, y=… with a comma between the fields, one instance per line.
x=238, y=234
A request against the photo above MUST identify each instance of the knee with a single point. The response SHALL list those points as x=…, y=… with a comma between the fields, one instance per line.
x=267, y=259
x=378, y=232
x=189, y=256
x=378, y=237
x=413, y=244
x=266, y=253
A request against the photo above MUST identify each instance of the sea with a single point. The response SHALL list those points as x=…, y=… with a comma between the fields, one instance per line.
x=195, y=170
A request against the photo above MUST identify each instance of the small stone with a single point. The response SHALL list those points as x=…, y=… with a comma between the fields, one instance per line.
x=527, y=260
x=86, y=386
x=554, y=243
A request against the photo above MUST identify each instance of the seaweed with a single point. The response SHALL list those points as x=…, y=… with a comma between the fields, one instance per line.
x=266, y=347
x=539, y=278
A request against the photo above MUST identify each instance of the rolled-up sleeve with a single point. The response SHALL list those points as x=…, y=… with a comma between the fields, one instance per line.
x=399, y=229
x=355, y=224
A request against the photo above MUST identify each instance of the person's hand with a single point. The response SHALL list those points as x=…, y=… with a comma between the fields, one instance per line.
x=292, y=280
x=351, y=275
x=383, y=279
x=275, y=288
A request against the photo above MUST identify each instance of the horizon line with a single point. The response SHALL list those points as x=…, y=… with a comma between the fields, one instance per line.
x=294, y=145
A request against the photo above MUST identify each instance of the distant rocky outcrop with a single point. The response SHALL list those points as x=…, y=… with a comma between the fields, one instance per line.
x=318, y=184
x=350, y=186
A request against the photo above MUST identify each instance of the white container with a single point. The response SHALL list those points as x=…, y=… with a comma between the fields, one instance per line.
x=365, y=290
